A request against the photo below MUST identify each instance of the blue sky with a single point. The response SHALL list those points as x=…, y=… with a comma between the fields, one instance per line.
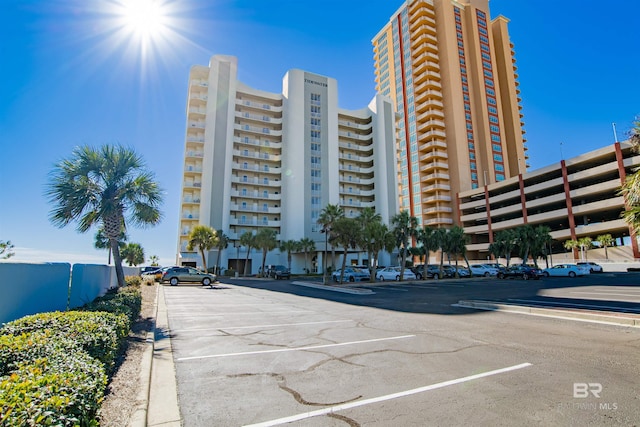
x=69, y=77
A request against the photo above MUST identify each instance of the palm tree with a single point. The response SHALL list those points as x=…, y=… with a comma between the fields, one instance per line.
x=504, y=242
x=223, y=242
x=203, y=238
x=108, y=186
x=428, y=238
x=328, y=216
x=458, y=245
x=442, y=238
x=525, y=238
x=404, y=228
x=265, y=240
x=307, y=245
x=571, y=245
x=374, y=240
x=247, y=239
x=101, y=241
x=154, y=259
x=631, y=188
x=605, y=240
x=347, y=235
x=366, y=219
x=541, y=239
x=585, y=244
x=133, y=253
x=289, y=246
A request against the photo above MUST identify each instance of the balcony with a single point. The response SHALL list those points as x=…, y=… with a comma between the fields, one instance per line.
x=256, y=195
x=196, y=125
x=194, y=154
x=353, y=135
x=192, y=184
x=257, y=130
x=260, y=106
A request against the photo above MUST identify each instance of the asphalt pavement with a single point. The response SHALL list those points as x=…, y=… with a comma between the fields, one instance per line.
x=160, y=399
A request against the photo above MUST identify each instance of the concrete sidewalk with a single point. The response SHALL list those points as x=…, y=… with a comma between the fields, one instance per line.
x=158, y=395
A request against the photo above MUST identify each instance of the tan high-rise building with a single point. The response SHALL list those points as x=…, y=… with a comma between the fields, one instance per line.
x=450, y=71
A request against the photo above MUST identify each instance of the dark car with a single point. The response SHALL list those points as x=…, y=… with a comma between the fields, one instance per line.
x=279, y=272
x=525, y=272
x=433, y=271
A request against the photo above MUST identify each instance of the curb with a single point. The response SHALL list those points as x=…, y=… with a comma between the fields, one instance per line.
x=139, y=417
x=623, y=319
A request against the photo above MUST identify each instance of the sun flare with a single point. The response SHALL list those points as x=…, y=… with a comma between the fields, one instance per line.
x=146, y=18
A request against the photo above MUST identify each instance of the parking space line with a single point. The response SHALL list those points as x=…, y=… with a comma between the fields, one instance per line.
x=275, y=325
x=337, y=408
x=281, y=350
x=231, y=313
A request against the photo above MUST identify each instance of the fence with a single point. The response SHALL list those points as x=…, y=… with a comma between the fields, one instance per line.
x=29, y=288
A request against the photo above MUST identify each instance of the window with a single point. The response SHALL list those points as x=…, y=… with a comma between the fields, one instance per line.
x=265, y=181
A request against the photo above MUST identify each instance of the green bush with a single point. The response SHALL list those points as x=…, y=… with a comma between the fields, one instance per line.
x=127, y=301
x=63, y=389
x=54, y=366
x=100, y=334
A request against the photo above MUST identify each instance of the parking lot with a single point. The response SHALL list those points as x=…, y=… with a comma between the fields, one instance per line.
x=272, y=353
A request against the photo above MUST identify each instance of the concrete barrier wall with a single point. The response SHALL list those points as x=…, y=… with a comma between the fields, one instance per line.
x=88, y=281
x=30, y=288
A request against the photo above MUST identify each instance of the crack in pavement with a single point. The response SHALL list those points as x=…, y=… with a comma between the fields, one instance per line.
x=282, y=383
x=350, y=421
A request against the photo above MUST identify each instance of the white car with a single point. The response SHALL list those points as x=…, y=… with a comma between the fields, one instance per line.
x=393, y=273
x=592, y=266
x=483, y=270
x=566, y=270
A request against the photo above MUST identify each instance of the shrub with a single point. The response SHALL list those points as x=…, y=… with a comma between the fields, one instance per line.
x=64, y=389
x=127, y=301
x=133, y=280
x=100, y=334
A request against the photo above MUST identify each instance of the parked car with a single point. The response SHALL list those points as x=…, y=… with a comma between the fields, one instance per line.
x=593, y=267
x=495, y=265
x=149, y=269
x=279, y=272
x=175, y=275
x=520, y=270
x=393, y=273
x=463, y=271
x=483, y=270
x=350, y=275
x=566, y=270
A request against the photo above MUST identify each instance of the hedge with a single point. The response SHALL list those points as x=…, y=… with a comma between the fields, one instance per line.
x=54, y=366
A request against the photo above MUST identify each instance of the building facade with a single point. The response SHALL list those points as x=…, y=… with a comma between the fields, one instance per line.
x=575, y=198
x=255, y=159
x=451, y=74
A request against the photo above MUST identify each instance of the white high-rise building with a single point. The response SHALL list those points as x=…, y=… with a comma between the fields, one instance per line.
x=255, y=159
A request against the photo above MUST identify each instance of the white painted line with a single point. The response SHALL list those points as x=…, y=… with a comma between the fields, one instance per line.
x=603, y=293
x=275, y=325
x=281, y=350
x=231, y=313
x=337, y=408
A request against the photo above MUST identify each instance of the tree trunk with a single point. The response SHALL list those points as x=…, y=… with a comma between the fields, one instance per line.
x=344, y=263
x=204, y=261
x=117, y=261
x=246, y=261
